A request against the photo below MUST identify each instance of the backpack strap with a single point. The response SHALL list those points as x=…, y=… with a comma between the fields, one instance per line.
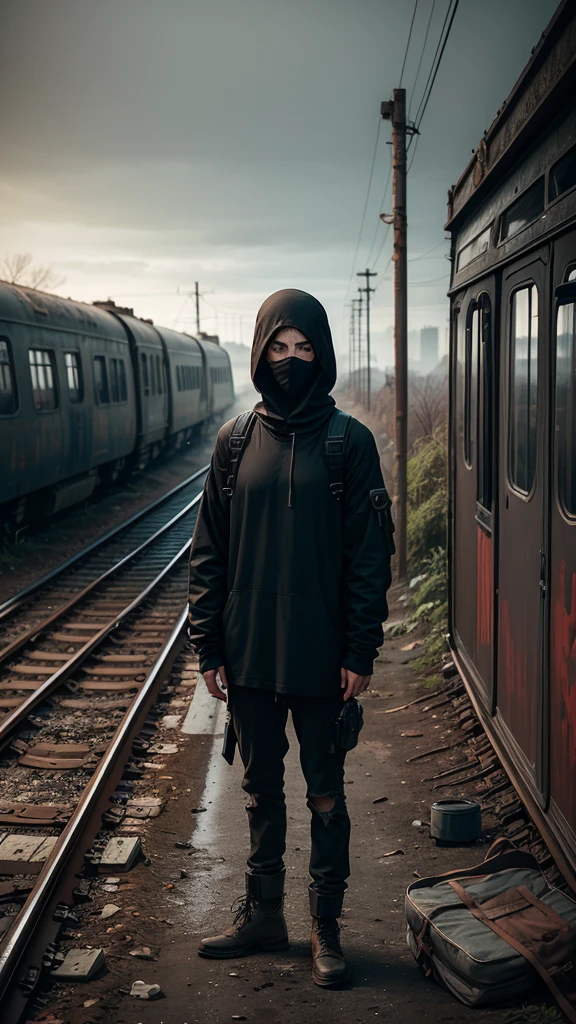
x=335, y=451
x=237, y=443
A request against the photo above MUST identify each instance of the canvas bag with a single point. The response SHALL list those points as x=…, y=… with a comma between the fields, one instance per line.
x=488, y=931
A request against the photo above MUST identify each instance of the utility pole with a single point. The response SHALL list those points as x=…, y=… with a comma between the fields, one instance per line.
x=367, y=274
x=359, y=340
x=196, y=290
x=395, y=111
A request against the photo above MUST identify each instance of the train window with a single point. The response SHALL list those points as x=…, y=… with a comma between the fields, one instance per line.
x=145, y=382
x=178, y=378
x=42, y=373
x=566, y=406
x=460, y=333
x=123, y=384
x=8, y=396
x=101, y=391
x=526, y=208
x=562, y=175
x=159, y=375
x=477, y=247
x=571, y=275
x=522, y=431
x=485, y=402
x=114, y=381
x=471, y=384
x=73, y=376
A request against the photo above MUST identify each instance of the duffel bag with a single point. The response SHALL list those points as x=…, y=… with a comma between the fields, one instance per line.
x=488, y=931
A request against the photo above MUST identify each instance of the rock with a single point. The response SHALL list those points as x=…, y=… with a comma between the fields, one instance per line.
x=143, y=953
x=140, y=990
x=170, y=721
x=198, y=810
x=90, y=1002
x=109, y=910
x=380, y=800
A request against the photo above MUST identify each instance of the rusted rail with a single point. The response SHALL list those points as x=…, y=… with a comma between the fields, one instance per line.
x=35, y=928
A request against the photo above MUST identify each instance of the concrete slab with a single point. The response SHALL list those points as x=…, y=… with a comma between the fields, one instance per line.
x=206, y=715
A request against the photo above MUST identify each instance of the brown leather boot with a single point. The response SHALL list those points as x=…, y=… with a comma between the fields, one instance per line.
x=329, y=968
x=258, y=924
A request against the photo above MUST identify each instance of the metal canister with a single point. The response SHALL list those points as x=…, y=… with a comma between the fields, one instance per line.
x=455, y=821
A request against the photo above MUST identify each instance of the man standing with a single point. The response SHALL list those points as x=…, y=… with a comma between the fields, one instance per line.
x=289, y=570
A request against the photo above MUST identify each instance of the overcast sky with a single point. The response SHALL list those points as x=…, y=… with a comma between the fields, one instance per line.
x=148, y=144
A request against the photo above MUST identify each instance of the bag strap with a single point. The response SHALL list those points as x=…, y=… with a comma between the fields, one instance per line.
x=335, y=451
x=237, y=443
x=549, y=934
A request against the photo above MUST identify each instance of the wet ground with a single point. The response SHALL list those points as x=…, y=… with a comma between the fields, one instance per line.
x=184, y=894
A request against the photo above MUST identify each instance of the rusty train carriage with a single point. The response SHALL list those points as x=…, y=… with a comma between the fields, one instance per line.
x=512, y=533
x=86, y=391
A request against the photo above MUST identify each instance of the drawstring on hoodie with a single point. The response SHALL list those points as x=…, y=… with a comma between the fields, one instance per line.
x=291, y=478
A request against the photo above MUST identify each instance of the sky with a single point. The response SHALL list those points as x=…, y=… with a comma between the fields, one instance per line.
x=148, y=145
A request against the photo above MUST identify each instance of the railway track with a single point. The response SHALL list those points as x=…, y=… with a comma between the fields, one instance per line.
x=37, y=602
x=78, y=688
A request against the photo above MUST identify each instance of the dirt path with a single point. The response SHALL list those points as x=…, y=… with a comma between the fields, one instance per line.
x=193, y=890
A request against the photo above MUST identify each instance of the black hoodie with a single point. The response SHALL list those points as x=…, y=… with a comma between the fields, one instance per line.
x=287, y=584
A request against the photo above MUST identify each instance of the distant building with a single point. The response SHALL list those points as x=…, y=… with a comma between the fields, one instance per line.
x=428, y=349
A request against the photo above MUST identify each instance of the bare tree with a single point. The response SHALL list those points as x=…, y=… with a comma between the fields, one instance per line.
x=428, y=404
x=19, y=268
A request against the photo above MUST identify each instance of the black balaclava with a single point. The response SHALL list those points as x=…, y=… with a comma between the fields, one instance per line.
x=303, y=408
x=293, y=374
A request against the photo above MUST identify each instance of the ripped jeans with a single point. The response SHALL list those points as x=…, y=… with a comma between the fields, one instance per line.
x=260, y=718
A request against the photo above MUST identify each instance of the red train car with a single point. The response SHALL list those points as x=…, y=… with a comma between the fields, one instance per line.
x=512, y=524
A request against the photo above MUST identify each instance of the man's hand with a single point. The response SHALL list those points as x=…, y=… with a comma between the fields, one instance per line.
x=210, y=678
x=352, y=684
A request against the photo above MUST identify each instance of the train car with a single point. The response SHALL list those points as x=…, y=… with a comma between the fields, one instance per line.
x=149, y=366
x=67, y=400
x=219, y=376
x=188, y=385
x=512, y=526
x=87, y=391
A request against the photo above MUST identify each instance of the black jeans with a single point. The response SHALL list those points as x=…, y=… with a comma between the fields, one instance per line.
x=260, y=718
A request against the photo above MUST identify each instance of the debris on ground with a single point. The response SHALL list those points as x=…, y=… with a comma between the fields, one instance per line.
x=109, y=910
x=140, y=990
x=80, y=964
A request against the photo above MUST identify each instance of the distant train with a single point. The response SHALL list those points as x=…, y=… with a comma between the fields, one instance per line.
x=88, y=392
x=512, y=553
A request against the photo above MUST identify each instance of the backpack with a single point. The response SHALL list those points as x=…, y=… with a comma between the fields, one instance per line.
x=242, y=431
x=335, y=461
x=488, y=931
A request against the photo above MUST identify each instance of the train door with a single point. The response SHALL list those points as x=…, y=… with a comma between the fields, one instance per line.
x=522, y=502
x=474, y=526
x=562, y=561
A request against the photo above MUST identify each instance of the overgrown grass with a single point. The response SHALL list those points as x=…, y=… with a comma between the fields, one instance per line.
x=427, y=511
x=535, y=1015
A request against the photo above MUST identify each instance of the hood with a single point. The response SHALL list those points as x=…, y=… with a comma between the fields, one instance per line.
x=293, y=308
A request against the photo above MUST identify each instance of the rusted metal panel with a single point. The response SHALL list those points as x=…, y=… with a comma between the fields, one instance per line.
x=534, y=98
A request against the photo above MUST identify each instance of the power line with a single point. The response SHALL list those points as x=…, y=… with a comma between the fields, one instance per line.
x=365, y=208
x=436, y=62
x=408, y=43
x=378, y=221
x=427, y=253
x=454, y=9
x=421, y=56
